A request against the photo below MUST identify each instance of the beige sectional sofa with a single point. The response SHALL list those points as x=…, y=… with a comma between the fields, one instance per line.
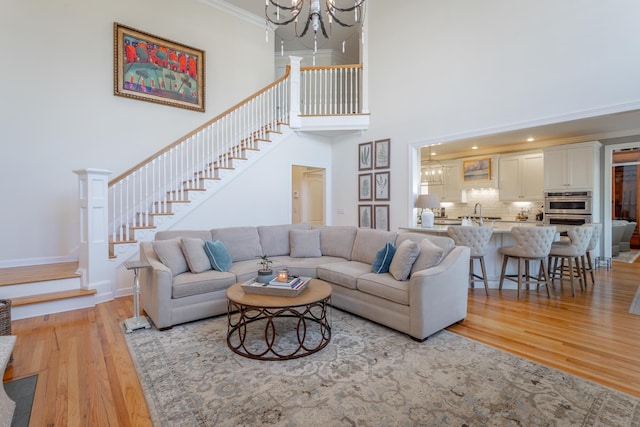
x=424, y=291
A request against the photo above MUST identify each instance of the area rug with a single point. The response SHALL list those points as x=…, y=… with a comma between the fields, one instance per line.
x=22, y=392
x=628, y=257
x=368, y=375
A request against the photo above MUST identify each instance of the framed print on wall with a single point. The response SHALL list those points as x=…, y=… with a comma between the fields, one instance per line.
x=365, y=187
x=476, y=170
x=365, y=216
x=382, y=154
x=381, y=186
x=381, y=217
x=365, y=156
x=153, y=69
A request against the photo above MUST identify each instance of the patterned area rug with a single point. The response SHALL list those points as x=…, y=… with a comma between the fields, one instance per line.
x=628, y=257
x=368, y=375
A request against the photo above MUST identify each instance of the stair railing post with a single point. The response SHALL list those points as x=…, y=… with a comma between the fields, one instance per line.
x=93, y=251
x=295, y=122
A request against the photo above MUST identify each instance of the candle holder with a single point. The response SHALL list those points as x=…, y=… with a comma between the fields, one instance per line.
x=283, y=275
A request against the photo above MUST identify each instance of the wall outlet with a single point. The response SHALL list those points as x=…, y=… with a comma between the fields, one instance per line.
x=340, y=211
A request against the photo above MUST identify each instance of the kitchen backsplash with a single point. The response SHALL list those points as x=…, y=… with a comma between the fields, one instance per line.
x=491, y=206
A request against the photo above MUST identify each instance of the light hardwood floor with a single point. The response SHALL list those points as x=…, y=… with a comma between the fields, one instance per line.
x=86, y=377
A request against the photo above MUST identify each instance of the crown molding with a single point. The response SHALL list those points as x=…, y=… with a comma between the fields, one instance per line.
x=236, y=11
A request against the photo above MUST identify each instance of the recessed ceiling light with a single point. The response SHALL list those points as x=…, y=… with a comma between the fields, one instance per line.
x=530, y=139
x=475, y=147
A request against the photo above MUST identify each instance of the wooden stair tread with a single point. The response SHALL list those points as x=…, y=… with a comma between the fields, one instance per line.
x=38, y=273
x=51, y=296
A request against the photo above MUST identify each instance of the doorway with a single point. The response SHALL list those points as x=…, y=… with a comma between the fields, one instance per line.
x=308, y=195
x=626, y=188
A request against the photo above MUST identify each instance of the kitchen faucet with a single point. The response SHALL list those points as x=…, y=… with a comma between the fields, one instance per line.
x=475, y=208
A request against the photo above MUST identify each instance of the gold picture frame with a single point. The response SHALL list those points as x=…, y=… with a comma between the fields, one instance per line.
x=153, y=69
x=476, y=170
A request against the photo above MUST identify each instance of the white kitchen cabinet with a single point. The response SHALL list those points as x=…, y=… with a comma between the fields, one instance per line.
x=451, y=190
x=521, y=177
x=571, y=167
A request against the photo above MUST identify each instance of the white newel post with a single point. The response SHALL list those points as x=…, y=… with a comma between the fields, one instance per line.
x=93, y=186
x=295, y=122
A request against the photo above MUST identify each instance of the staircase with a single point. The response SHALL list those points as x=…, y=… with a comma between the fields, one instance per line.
x=44, y=289
x=161, y=190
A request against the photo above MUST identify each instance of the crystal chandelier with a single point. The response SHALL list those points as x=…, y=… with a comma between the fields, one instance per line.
x=347, y=13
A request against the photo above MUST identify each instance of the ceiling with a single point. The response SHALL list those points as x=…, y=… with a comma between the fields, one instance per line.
x=587, y=129
x=286, y=33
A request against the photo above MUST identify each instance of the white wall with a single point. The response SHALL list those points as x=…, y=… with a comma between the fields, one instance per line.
x=469, y=68
x=58, y=112
x=438, y=71
x=261, y=195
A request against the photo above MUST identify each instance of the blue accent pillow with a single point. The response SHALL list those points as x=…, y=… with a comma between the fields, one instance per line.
x=383, y=259
x=218, y=255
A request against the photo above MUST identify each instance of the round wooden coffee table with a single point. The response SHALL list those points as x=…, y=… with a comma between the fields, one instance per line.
x=269, y=327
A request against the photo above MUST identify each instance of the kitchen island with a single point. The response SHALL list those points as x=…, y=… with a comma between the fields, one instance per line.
x=493, y=258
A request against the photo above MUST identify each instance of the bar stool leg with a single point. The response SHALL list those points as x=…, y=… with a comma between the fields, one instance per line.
x=505, y=259
x=593, y=278
x=546, y=278
x=519, y=275
x=570, y=260
x=484, y=276
x=472, y=275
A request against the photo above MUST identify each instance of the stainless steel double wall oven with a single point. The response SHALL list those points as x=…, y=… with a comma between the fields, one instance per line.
x=568, y=208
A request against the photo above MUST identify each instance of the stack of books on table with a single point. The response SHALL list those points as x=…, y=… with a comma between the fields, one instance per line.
x=291, y=287
x=291, y=283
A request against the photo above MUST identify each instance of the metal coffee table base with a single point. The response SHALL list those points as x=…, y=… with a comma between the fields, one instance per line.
x=244, y=319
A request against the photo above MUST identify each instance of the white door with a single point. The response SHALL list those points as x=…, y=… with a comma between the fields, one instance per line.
x=312, y=197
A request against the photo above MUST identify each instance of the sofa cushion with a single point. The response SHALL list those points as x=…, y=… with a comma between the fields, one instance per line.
x=307, y=267
x=187, y=284
x=430, y=256
x=403, y=260
x=384, y=286
x=367, y=243
x=218, y=255
x=194, y=254
x=343, y=273
x=274, y=239
x=444, y=242
x=383, y=259
x=243, y=243
x=170, y=253
x=305, y=243
x=337, y=240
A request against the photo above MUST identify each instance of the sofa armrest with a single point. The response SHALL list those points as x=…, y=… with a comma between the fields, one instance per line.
x=155, y=287
x=438, y=295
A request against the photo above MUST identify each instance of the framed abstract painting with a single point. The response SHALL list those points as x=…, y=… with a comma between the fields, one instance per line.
x=153, y=69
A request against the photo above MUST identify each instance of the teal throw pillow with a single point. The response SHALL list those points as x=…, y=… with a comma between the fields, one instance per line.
x=383, y=259
x=218, y=255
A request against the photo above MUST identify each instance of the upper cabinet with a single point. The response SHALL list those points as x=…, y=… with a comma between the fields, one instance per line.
x=450, y=191
x=521, y=177
x=571, y=167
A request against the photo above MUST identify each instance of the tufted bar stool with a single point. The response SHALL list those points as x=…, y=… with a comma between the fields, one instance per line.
x=532, y=244
x=477, y=239
x=587, y=260
x=580, y=238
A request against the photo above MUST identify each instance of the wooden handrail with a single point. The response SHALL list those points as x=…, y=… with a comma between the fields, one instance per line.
x=190, y=134
x=331, y=67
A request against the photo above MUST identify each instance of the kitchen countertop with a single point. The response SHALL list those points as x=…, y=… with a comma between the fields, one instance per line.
x=500, y=227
